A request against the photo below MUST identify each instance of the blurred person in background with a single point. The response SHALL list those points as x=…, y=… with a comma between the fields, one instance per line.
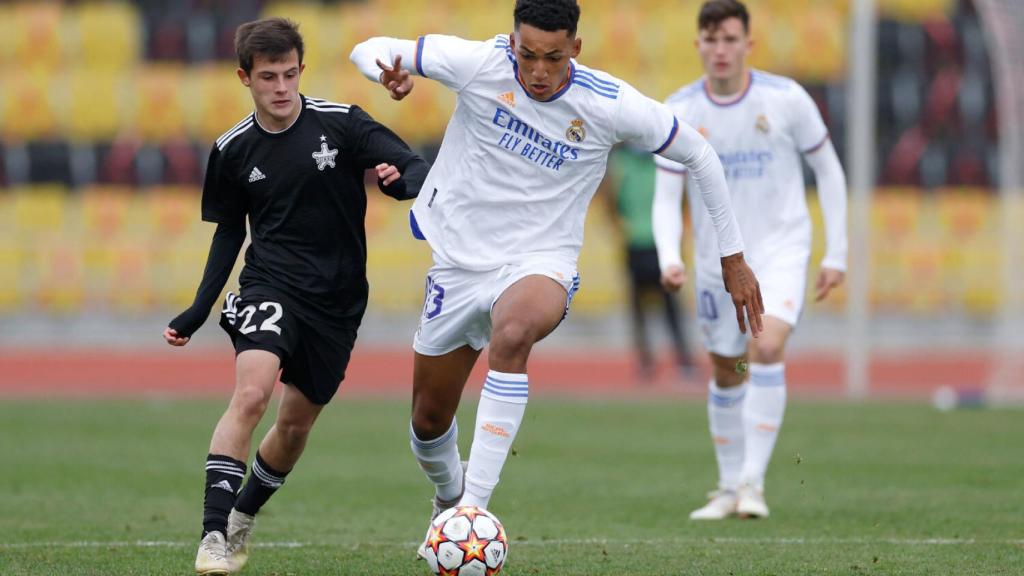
x=503, y=212
x=761, y=125
x=629, y=189
x=295, y=167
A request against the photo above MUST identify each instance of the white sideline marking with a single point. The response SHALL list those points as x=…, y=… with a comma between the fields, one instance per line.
x=537, y=542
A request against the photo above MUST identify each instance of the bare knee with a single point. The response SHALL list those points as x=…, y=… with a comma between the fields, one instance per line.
x=511, y=344
x=767, y=350
x=250, y=402
x=430, y=418
x=293, y=432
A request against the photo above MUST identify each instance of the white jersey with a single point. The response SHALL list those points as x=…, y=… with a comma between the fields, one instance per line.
x=514, y=175
x=760, y=138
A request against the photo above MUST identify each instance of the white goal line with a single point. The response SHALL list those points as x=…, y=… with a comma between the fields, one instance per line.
x=539, y=542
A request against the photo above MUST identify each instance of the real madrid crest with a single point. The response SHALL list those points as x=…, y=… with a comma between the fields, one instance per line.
x=762, y=124
x=576, y=132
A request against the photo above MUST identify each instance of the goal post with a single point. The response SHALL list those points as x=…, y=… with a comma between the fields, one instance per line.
x=1003, y=22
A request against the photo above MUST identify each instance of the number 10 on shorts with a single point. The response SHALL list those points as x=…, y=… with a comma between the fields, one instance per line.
x=433, y=299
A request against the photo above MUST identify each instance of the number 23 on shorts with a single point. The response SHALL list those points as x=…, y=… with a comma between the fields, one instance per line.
x=433, y=299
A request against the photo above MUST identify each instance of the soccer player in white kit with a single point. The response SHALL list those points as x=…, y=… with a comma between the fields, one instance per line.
x=503, y=210
x=760, y=125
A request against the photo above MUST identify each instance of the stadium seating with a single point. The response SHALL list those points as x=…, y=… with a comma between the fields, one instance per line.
x=111, y=108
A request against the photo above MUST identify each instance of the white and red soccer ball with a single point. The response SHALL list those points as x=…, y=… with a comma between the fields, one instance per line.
x=466, y=541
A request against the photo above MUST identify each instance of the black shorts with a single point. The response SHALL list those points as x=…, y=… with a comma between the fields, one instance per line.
x=644, y=269
x=314, y=352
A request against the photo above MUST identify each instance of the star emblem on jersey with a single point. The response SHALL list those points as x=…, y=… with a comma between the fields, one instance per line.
x=762, y=124
x=508, y=98
x=255, y=175
x=576, y=133
x=325, y=156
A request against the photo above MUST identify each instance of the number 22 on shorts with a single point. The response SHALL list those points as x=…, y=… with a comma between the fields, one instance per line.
x=270, y=324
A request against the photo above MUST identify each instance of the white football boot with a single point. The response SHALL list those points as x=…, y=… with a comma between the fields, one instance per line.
x=721, y=504
x=751, y=502
x=438, y=507
x=239, y=528
x=211, y=560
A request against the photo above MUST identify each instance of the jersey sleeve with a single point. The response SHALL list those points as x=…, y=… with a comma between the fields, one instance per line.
x=450, y=60
x=643, y=121
x=808, y=128
x=372, y=143
x=665, y=164
x=223, y=198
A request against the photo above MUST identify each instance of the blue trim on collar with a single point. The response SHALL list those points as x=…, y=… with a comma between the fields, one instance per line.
x=556, y=95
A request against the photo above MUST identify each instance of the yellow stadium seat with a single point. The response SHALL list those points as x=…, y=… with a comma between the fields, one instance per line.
x=105, y=210
x=172, y=211
x=223, y=101
x=108, y=35
x=914, y=10
x=159, y=112
x=96, y=99
x=895, y=214
x=29, y=107
x=36, y=29
x=60, y=287
x=39, y=211
x=965, y=214
x=307, y=16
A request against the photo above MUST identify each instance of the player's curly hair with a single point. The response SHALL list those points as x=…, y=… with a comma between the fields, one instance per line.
x=272, y=38
x=714, y=12
x=548, y=15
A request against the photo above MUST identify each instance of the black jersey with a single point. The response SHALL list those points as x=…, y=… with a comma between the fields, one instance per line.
x=303, y=191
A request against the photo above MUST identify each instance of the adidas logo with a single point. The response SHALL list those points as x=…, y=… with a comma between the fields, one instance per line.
x=508, y=98
x=255, y=175
x=224, y=484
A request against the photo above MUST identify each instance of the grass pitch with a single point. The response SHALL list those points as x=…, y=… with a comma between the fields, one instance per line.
x=115, y=487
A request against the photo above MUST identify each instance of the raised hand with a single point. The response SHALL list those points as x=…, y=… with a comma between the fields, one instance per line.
x=395, y=78
x=745, y=290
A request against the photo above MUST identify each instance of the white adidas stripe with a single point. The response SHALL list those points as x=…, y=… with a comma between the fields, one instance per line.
x=332, y=109
x=233, y=128
x=221, y=146
x=321, y=101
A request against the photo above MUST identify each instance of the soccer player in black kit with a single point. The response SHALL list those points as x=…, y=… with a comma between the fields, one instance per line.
x=295, y=167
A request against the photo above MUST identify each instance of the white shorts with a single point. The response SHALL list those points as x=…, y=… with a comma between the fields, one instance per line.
x=783, y=285
x=457, y=303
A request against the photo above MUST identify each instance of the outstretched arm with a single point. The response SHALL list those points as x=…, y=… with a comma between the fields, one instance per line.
x=828, y=173
x=227, y=241
x=690, y=149
x=667, y=225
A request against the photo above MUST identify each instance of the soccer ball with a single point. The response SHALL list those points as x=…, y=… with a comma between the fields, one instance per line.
x=466, y=541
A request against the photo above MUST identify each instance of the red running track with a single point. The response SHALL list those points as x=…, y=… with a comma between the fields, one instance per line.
x=388, y=372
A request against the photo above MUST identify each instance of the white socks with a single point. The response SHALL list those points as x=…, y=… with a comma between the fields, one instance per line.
x=439, y=458
x=762, y=418
x=725, y=416
x=498, y=417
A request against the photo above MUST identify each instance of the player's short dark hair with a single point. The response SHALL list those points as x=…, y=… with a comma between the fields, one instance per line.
x=272, y=38
x=714, y=12
x=548, y=15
